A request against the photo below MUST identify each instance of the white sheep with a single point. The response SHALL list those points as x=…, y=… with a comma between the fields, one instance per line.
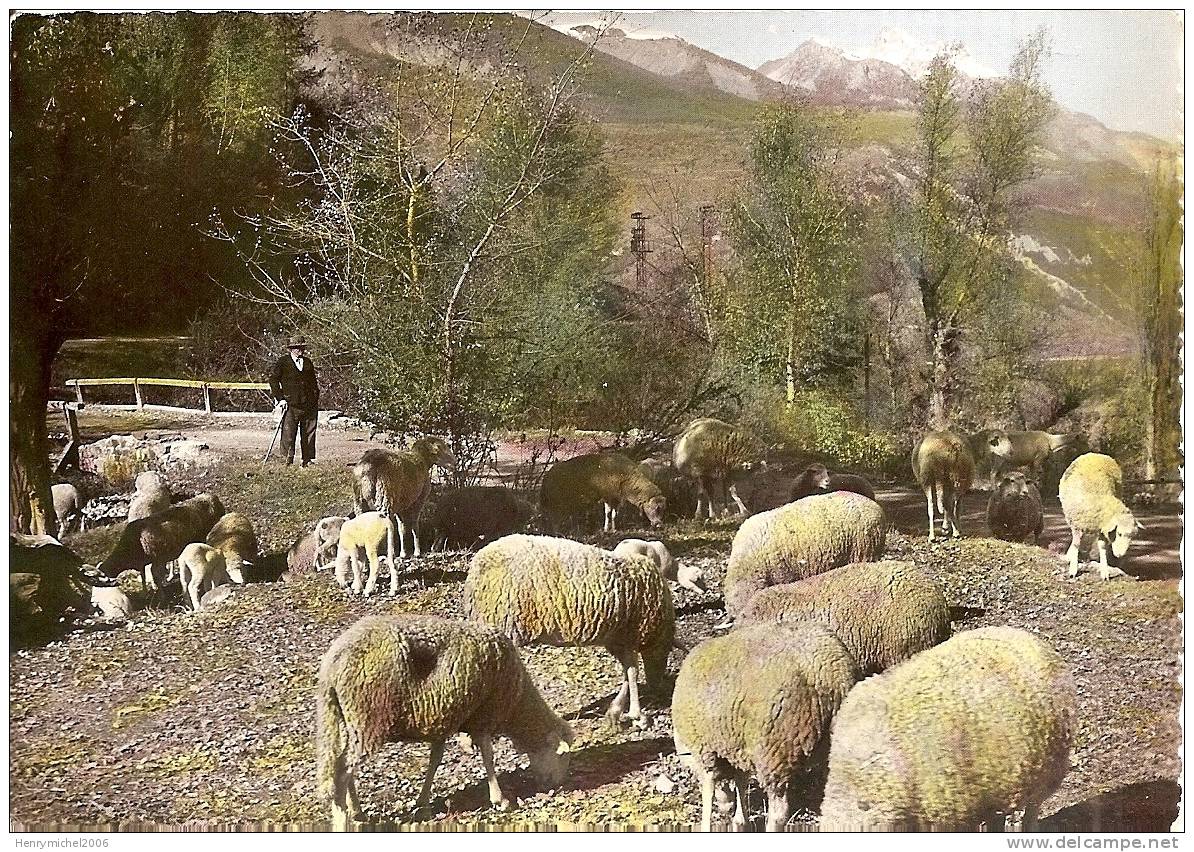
x=759, y=701
x=1091, y=490
x=688, y=576
x=944, y=463
x=801, y=539
x=421, y=678
x=201, y=567
x=150, y=496
x=962, y=733
x=68, y=507
x=560, y=592
x=366, y=537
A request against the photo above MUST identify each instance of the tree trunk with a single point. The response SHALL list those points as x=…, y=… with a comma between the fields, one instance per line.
x=943, y=341
x=31, y=507
x=790, y=366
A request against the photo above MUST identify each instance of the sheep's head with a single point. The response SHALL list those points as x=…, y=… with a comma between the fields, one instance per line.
x=818, y=475
x=654, y=509
x=437, y=452
x=691, y=577
x=1120, y=531
x=997, y=442
x=550, y=763
x=1014, y=484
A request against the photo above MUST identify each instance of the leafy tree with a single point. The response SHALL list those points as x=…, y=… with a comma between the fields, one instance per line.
x=450, y=246
x=971, y=156
x=794, y=234
x=1159, y=315
x=116, y=154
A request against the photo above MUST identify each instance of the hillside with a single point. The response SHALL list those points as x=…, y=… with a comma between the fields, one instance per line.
x=677, y=116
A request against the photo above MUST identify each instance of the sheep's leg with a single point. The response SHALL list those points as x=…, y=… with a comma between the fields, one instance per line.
x=401, y=539
x=357, y=573
x=617, y=706
x=1106, y=572
x=778, y=809
x=437, y=754
x=742, y=510
x=371, y=555
x=345, y=804
x=606, y=509
x=742, y=787
x=955, y=503
x=1072, y=553
x=194, y=588
x=414, y=535
x=708, y=782
x=343, y=562
x=930, y=501
x=496, y=797
x=629, y=661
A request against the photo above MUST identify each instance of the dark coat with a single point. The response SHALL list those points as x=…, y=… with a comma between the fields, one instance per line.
x=300, y=390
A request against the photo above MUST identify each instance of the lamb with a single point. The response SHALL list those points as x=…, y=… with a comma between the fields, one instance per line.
x=759, y=701
x=960, y=734
x=688, y=576
x=201, y=568
x=398, y=483
x=1028, y=450
x=233, y=536
x=467, y=517
x=816, y=479
x=1091, y=494
x=327, y=533
x=884, y=612
x=1014, y=510
x=150, y=496
x=363, y=537
x=112, y=603
x=714, y=453
x=801, y=539
x=421, y=678
x=610, y=478
x=943, y=463
x=68, y=507
x=537, y=589
x=147, y=544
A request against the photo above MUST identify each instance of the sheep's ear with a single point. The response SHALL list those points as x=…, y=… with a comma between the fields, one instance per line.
x=1140, y=526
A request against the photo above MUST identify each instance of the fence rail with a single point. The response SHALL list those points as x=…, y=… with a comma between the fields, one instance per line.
x=139, y=382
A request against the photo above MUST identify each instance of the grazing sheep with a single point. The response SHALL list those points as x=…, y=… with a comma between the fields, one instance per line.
x=960, y=734
x=201, y=568
x=816, y=479
x=303, y=554
x=574, y=485
x=149, y=497
x=68, y=507
x=1028, y=450
x=884, y=612
x=713, y=453
x=679, y=491
x=420, y=678
x=943, y=463
x=147, y=544
x=801, y=539
x=759, y=701
x=45, y=580
x=537, y=589
x=1014, y=510
x=398, y=483
x=467, y=517
x=112, y=604
x=233, y=536
x=1091, y=490
x=365, y=537
x=688, y=576
x=327, y=531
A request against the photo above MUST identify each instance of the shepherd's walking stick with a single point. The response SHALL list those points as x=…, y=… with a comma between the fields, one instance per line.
x=274, y=440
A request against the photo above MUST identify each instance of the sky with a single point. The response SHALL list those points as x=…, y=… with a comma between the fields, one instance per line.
x=1123, y=67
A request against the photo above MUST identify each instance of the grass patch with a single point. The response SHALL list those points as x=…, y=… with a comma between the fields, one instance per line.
x=147, y=704
x=48, y=757
x=283, y=753
x=201, y=758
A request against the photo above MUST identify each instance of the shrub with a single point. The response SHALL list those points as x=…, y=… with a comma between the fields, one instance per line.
x=819, y=421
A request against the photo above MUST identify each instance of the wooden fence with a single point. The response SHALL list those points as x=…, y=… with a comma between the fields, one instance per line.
x=138, y=383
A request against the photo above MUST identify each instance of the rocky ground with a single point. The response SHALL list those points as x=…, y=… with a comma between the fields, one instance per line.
x=206, y=719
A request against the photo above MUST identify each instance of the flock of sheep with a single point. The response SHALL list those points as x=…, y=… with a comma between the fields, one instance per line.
x=839, y=669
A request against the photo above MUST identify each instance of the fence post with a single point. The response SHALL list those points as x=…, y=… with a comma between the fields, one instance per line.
x=137, y=391
x=78, y=393
x=206, y=398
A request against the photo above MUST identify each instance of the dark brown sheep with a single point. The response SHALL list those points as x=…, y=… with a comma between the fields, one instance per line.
x=572, y=486
x=1014, y=510
x=147, y=544
x=816, y=479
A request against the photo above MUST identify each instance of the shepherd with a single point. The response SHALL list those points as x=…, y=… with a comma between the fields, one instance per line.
x=295, y=390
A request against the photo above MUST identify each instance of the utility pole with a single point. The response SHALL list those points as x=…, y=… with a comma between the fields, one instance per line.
x=639, y=247
x=708, y=223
